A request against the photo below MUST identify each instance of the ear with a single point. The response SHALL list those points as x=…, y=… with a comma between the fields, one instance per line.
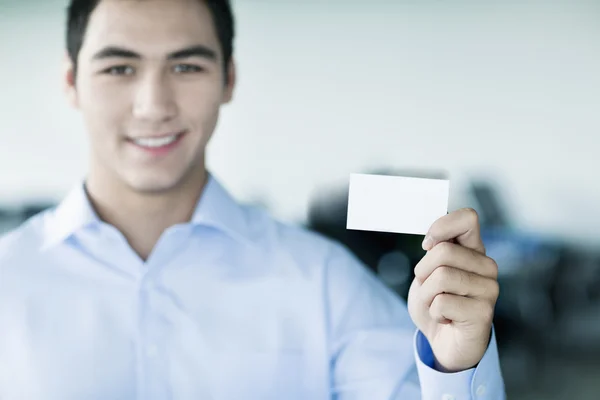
x=231, y=81
x=69, y=81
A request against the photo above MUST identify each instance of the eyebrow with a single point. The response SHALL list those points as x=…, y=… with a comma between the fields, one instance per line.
x=188, y=52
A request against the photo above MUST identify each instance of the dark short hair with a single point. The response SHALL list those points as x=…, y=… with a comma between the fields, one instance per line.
x=79, y=11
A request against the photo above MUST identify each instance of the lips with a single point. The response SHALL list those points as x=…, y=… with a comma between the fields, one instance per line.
x=157, y=145
x=155, y=142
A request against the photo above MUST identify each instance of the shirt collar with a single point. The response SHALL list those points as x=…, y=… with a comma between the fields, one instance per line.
x=216, y=208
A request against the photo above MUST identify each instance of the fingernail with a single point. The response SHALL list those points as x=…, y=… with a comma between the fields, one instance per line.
x=427, y=242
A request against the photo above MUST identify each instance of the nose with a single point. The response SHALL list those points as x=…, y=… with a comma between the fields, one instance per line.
x=154, y=100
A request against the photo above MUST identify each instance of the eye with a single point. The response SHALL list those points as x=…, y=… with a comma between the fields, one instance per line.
x=187, y=68
x=119, y=70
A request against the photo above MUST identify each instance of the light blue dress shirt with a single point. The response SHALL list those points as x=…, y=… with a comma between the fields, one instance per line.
x=232, y=305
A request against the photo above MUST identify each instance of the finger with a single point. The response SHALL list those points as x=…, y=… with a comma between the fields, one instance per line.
x=461, y=226
x=456, y=256
x=460, y=309
x=461, y=283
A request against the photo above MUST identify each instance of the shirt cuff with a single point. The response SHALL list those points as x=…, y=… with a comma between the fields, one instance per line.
x=481, y=383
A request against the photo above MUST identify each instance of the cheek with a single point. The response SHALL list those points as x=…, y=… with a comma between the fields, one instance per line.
x=104, y=108
x=106, y=99
x=200, y=108
x=199, y=100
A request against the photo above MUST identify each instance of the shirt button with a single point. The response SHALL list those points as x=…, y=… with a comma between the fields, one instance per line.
x=152, y=351
x=448, y=397
x=480, y=390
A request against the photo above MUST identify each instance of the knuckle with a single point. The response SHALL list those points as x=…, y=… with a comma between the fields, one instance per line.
x=494, y=290
x=472, y=214
x=418, y=271
x=444, y=300
x=438, y=303
x=443, y=251
x=490, y=289
x=493, y=267
x=442, y=274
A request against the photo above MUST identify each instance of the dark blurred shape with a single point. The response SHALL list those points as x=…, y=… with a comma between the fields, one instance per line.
x=11, y=218
x=490, y=209
x=31, y=210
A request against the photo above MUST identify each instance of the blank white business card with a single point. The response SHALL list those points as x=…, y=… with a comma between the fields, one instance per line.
x=396, y=204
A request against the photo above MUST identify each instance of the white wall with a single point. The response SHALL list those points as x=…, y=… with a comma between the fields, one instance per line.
x=328, y=88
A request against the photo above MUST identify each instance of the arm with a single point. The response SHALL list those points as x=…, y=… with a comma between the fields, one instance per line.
x=375, y=353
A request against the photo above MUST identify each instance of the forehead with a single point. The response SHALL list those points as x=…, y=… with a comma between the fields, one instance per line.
x=151, y=27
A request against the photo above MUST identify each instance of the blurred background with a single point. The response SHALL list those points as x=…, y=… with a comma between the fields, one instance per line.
x=502, y=97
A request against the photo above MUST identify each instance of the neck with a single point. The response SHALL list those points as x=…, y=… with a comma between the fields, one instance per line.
x=143, y=217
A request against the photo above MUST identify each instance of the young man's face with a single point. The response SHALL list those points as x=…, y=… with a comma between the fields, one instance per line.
x=150, y=82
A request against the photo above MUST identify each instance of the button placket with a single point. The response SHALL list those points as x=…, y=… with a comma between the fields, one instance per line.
x=154, y=384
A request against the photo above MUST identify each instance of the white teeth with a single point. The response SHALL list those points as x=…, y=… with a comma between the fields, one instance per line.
x=156, y=142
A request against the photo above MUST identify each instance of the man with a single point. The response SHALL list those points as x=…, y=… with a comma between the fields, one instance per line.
x=150, y=282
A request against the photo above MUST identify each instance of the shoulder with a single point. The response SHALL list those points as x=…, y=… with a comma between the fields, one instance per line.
x=296, y=244
x=22, y=242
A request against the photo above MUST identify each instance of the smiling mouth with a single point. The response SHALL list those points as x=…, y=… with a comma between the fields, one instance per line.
x=157, y=146
x=156, y=142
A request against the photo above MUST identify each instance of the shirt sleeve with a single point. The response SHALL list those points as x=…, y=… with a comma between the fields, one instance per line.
x=481, y=383
x=375, y=353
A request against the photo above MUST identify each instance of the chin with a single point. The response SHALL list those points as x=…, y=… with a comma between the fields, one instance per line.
x=151, y=188
x=158, y=180
x=153, y=185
